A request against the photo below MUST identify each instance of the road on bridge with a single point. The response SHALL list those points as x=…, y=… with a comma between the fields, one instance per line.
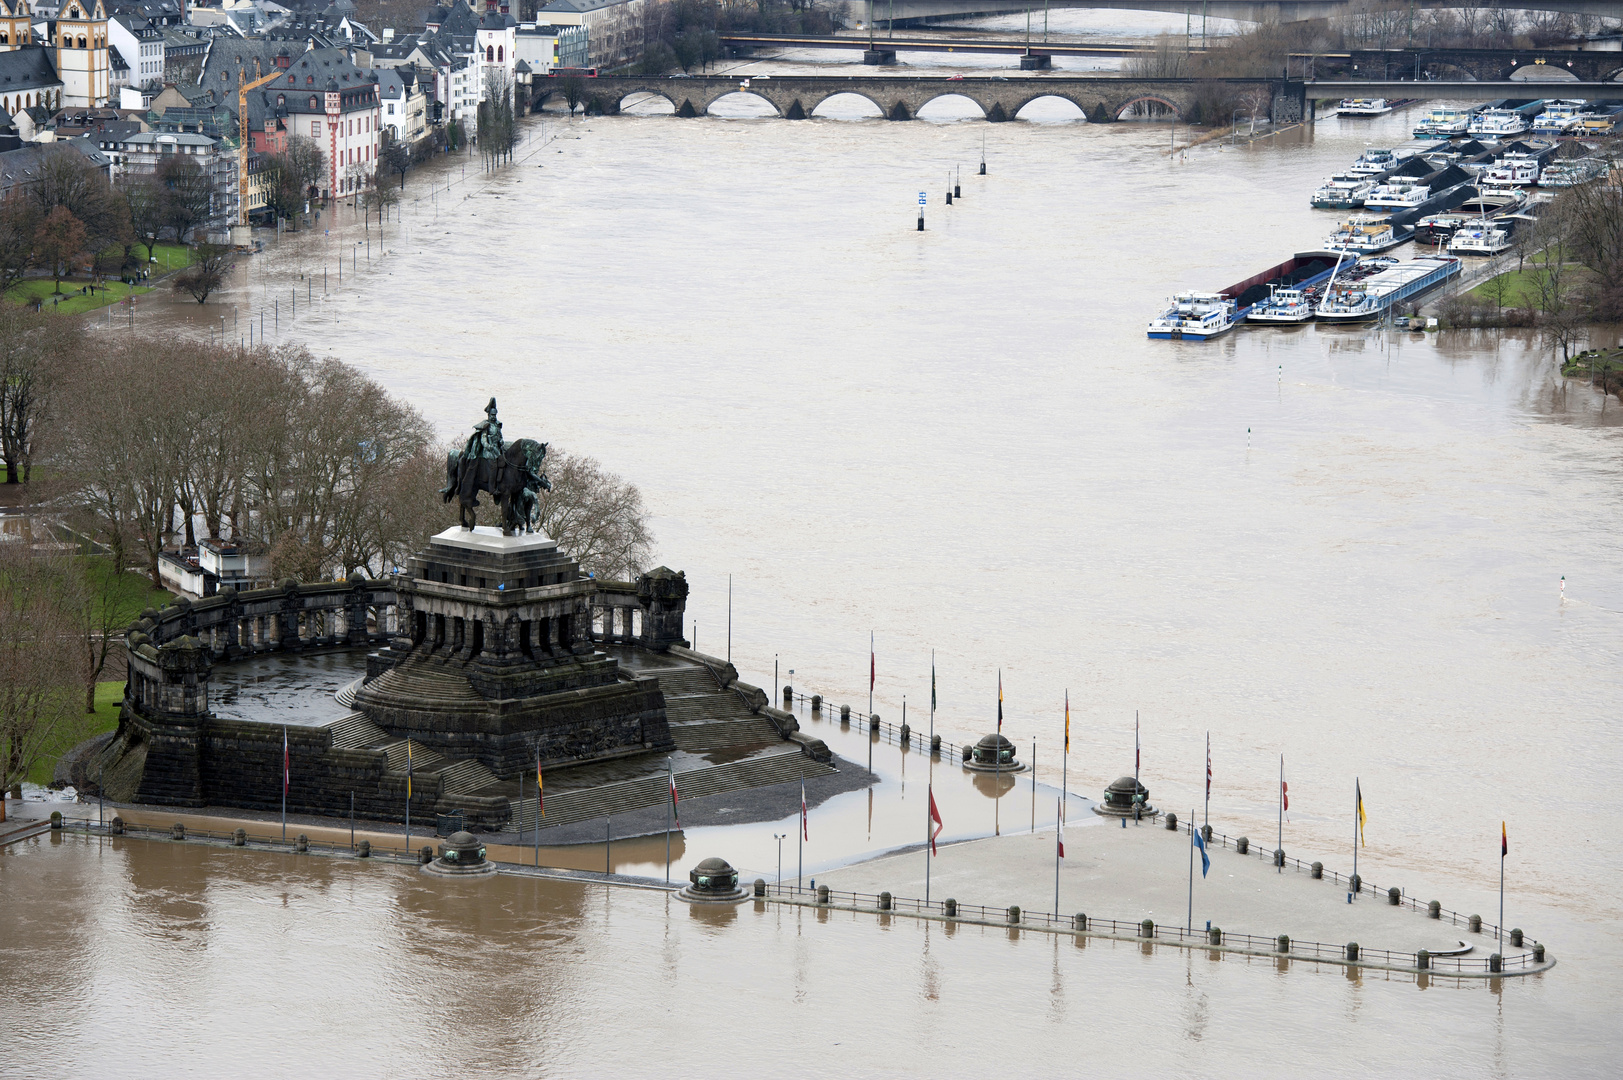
x=962, y=45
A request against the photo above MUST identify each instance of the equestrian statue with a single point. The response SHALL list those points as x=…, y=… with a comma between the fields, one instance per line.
x=509, y=472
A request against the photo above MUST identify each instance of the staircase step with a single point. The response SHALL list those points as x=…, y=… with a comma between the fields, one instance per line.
x=354, y=731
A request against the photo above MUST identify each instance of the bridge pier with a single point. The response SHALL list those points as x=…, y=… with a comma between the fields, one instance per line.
x=1036, y=61
x=899, y=111
x=876, y=57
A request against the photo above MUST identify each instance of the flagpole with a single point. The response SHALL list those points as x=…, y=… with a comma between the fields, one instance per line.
x=1358, y=795
x=1059, y=831
x=729, y=618
x=1064, y=794
x=284, y=782
x=1503, y=844
x=408, y=796
x=929, y=787
x=540, y=805
x=1281, y=845
x=670, y=781
x=1208, y=778
x=1190, y=925
x=800, y=844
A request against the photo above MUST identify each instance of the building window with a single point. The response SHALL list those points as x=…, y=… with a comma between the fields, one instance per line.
x=499, y=54
x=490, y=54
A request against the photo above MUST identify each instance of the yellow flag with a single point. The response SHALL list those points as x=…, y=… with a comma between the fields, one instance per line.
x=1067, y=721
x=408, y=770
x=1357, y=788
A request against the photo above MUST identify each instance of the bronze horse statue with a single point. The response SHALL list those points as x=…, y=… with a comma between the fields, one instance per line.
x=512, y=479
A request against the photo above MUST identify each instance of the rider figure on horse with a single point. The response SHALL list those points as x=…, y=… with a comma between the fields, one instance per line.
x=485, y=442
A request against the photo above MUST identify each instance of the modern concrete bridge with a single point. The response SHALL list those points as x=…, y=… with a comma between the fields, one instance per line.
x=1485, y=65
x=971, y=46
x=1462, y=91
x=1243, y=10
x=901, y=97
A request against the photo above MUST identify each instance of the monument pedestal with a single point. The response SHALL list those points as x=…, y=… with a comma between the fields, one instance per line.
x=496, y=662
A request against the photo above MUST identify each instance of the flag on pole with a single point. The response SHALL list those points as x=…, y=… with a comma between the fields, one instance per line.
x=1285, y=794
x=408, y=771
x=1135, y=743
x=1062, y=837
x=1359, y=791
x=873, y=667
x=1067, y=732
x=674, y=812
x=805, y=828
x=1208, y=766
x=1200, y=842
x=1504, y=841
x=540, y=791
x=287, y=764
x=1000, y=700
x=935, y=816
x=932, y=685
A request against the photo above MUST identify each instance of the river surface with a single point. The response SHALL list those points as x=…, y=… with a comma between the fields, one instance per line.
x=1346, y=546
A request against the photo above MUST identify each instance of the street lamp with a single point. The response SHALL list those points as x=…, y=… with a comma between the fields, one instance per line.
x=779, y=838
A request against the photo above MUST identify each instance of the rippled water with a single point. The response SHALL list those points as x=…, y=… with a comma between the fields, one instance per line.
x=1340, y=545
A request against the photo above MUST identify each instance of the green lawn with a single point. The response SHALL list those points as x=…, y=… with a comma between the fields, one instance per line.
x=166, y=257
x=108, y=697
x=72, y=302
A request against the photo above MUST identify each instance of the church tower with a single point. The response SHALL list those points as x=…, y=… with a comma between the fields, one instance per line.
x=81, y=53
x=14, y=25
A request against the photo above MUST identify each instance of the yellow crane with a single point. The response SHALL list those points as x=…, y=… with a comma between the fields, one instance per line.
x=243, y=86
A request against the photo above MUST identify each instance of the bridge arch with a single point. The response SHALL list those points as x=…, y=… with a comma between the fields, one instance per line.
x=1530, y=70
x=1172, y=106
x=645, y=99
x=835, y=114
x=1081, y=109
x=742, y=102
x=947, y=103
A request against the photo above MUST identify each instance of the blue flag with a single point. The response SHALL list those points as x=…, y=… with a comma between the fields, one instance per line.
x=1200, y=842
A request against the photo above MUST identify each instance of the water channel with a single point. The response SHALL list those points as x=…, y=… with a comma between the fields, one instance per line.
x=1343, y=545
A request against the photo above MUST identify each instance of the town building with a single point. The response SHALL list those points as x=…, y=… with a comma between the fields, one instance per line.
x=140, y=44
x=28, y=79
x=80, y=37
x=614, y=28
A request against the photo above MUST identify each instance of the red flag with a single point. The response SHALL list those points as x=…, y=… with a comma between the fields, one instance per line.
x=935, y=816
x=1504, y=841
x=1285, y=794
x=287, y=764
x=1000, y=700
x=540, y=793
x=872, y=666
x=805, y=830
x=674, y=813
x=1062, y=831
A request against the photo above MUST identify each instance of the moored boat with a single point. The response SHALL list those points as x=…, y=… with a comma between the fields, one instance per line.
x=1516, y=168
x=1373, y=296
x=1194, y=316
x=1397, y=195
x=1497, y=123
x=1571, y=173
x=1443, y=123
x=1342, y=193
x=1363, y=234
x=1481, y=239
x=1363, y=107
x=1375, y=161
x=1558, y=118
x=1283, y=306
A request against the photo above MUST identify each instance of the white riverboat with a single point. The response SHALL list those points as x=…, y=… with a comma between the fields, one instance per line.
x=1479, y=239
x=1194, y=316
x=1497, y=124
x=1363, y=107
x=1397, y=195
x=1571, y=173
x=1342, y=193
x=1282, y=306
x=1558, y=118
x=1372, y=297
x=1373, y=162
x=1443, y=123
x=1363, y=234
x=1515, y=169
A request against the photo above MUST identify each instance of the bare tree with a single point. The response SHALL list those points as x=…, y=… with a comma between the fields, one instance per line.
x=19, y=221
x=596, y=516
x=145, y=200
x=32, y=346
x=188, y=195
x=39, y=673
x=59, y=243
x=207, y=272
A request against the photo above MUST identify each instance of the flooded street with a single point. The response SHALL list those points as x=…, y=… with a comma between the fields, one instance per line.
x=1343, y=545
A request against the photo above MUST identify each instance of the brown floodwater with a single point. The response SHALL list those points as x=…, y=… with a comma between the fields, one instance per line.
x=1343, y=545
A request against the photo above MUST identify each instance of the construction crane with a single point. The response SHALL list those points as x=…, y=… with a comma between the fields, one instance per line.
x=243, y=86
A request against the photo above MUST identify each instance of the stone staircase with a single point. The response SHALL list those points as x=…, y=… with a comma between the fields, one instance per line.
x=356, y=731
x=704, y=716
x=567, y=807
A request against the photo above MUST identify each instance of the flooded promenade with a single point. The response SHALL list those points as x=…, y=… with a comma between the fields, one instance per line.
x=1343, y=545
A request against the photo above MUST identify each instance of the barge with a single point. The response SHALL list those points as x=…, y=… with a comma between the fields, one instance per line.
x=1372, y=297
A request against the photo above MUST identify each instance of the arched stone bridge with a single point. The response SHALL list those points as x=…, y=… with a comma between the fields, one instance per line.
x=1484, y=65
x=901, y=98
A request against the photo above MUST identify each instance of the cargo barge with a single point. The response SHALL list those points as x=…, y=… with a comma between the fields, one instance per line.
x=1374, y=296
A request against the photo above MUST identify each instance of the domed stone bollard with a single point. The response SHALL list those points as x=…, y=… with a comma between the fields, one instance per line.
x=935, y=745
x=1014, y=913
x=1214, y=936
x=1318, y=871
x=822, y=894
x=1356, y=883
x=1474, y=924
x=363, y=850
x=760, y=886
x=788, y=699
x=1279, y=857
x=1079, y=921
x=1516, y=938
x=1394, y=896
x=1206, y=833
x=969, y=751
x=1242, y=845
x=1146, y=928
x=1172, y=823
x=302, y=843
x=1284, y=943
x=873, y=722
x=1352, y=950
x=1496, y=962
x=907, y=734
x=1538, y=952
x=884, y=901
x=845, y=715
x=950, y=908
x=177, y=831
x=56, y=819
x=1422, y=960
x=426, y=855
x=118, y=826
x=239, y=838
x=1434, y=910
x=817, y=703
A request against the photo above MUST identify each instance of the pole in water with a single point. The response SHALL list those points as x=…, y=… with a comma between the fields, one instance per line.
x=983, y=155
x=921, y=219
x=1563, y=588
x=949, y=189
x=958, y=174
